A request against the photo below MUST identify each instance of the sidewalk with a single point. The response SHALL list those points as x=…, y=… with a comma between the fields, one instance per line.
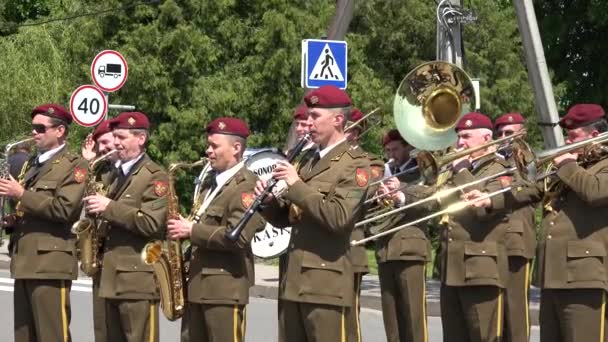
x=267, y=282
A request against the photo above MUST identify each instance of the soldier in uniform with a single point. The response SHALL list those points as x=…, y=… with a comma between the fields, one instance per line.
x=402, y=256
x=301, y=126
x=520, y=241
x=325, y=197
x=135, y=212
x=572, y=248
x=100, y=142
x=221, y=271
x=474, y=261
x=43, y=259
x=359, y=253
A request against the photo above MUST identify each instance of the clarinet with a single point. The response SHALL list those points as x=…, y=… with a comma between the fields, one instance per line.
x=233, y=233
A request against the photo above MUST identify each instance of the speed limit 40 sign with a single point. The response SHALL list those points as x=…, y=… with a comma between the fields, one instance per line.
x=88, y=105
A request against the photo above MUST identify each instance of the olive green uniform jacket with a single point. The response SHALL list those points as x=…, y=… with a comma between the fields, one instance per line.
x=136, y=215
x=221, y=271
x=44, y=247
x=330, y=200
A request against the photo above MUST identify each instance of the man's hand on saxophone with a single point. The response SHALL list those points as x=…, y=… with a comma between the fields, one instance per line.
x=11, y=188
x=96, y=204
x=179, y=228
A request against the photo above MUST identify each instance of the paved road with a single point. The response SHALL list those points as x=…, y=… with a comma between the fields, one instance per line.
x=261, y=318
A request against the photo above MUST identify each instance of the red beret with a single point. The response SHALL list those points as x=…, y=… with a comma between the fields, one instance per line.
x=327, y=97
x=54, y=111
x=474, y=120
x=101, y=129
x=392, y=135
x=230, y=126
x=356, y=115
x=301, y=112
x=509, y=119
x=130, y=120
x=582, y=115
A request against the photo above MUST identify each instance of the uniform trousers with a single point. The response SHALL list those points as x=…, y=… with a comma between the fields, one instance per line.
x=517, y=312
x=307, y=322
x=403, y=295
x=353, y=322
x=99, y=312
x=42, y=310
x=131, y=320
x=569, y=315
x=471, y=313
x=213, y=323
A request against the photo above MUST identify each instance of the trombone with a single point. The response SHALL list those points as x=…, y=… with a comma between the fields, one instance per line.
x=365, y=128
x=431, y=165
x=528, y=162
x=452, y=208
x=436, y=196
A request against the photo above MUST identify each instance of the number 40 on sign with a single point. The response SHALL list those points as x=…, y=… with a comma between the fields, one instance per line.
x=88, y=105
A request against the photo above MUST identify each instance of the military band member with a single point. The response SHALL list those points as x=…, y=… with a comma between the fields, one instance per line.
x=100, y=142
x=135, y=210
x=474, y=261
x=325, y=194
x=402, y=256
x=221, y=271
x=359, y=253
x=43, y=259
x=572, y=248
x=520, y=241
x=300, y=126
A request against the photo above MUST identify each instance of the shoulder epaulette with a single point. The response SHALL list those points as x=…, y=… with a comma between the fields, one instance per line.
x=71, y=156
x=356, y=153
x=152, y=166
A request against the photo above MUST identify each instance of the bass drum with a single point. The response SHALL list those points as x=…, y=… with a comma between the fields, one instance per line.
x=272, y=241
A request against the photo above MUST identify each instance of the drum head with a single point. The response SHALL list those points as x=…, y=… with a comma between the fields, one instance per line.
x=262, y=163
x=270, y=242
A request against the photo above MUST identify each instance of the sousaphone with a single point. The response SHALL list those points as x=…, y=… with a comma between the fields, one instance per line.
x=430, y=101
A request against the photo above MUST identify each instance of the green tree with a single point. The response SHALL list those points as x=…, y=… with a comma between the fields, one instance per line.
x=573, y=34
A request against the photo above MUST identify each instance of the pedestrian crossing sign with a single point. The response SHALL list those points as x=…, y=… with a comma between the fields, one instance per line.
x=324, y=62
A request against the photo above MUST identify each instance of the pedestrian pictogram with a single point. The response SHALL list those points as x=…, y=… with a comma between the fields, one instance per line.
x=324, y=62
x=326, y=67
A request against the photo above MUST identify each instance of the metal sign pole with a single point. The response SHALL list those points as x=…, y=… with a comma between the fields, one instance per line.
x=538, y=73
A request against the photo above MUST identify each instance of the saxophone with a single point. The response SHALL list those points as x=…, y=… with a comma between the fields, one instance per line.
x=5, y=174
x=166, y=256
x=86, y=229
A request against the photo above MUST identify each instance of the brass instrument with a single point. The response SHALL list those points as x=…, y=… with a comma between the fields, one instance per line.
x=166, y=256
x=438, y=195
x=87, y=228
x=528, y=162
x=451, y=209
x=365, y=128
x=430, y=101
x=431, y=165
x=5, y=174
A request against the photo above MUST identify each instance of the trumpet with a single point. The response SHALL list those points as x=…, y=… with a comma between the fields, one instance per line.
x=529, y=163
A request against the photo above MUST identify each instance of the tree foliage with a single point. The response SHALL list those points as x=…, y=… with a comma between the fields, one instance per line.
x=191, y=61
x=574, y=34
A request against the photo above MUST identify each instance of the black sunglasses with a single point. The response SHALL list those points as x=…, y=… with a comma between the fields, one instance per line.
x=40, y=128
